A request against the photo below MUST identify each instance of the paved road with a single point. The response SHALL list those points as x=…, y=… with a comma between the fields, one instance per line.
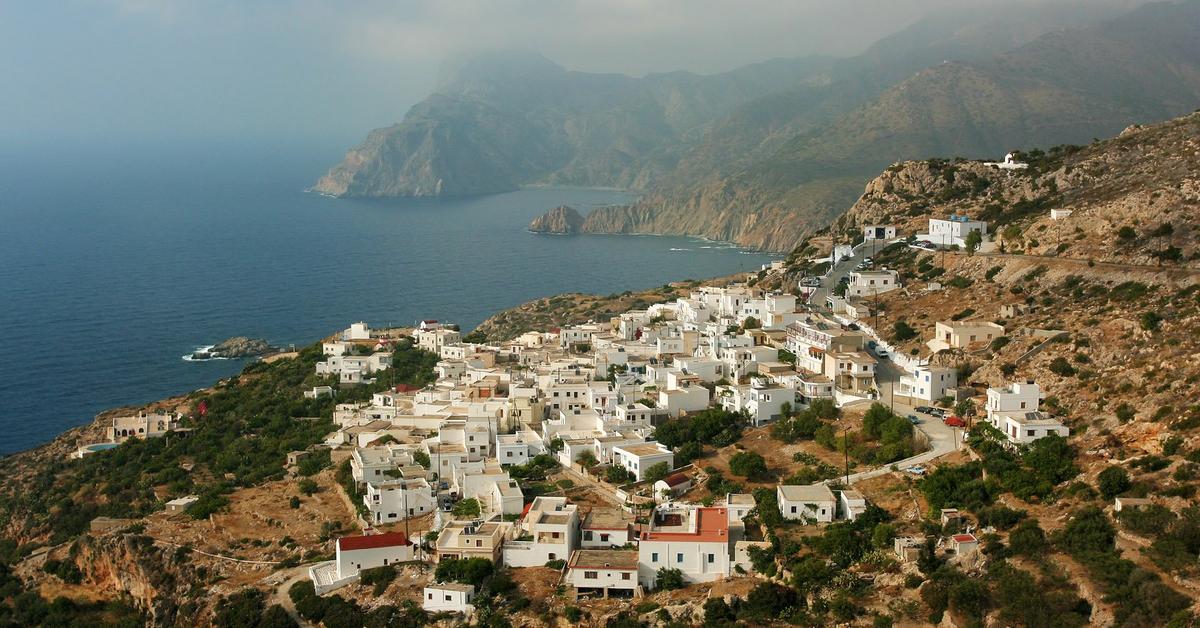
x=842, y=269
x=943, y=439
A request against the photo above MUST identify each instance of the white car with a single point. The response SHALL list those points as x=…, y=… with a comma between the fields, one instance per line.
x=882, y=353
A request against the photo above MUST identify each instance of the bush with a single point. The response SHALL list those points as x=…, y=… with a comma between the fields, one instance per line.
x=748, y=464
x=467, y=508
x=1060, y=366
x=657, y=472
x=1113, y=481
x=464, y=570
x=902, y=331
x=1125, y=413
x=308, y=486
x=378, y=577
x=669, y=579
x=1028, y=539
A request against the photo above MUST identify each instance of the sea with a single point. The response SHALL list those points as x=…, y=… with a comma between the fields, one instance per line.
x=118, y=260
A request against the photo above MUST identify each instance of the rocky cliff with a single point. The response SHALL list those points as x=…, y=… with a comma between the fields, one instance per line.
x=560, y=220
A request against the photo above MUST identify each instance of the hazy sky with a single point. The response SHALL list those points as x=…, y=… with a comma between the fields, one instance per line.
x=98, y=69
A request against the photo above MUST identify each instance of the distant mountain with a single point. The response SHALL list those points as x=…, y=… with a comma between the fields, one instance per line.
x=764, y=153
x=515, y=118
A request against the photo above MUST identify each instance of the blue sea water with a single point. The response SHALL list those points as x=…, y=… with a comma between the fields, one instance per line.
x=116, y=261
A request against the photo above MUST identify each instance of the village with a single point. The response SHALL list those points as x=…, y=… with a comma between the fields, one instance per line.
x=442, y=471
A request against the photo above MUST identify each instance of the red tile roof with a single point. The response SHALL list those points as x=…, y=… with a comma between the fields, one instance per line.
x=965, y=538
x=374, y=541
x=677, y=479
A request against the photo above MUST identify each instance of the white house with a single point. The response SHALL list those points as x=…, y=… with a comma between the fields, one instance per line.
x=963, y=334
x=357, y=331
x=607, y=572
x=549, y=531
x=739, y=505
x=432, y=340
x=356, y=553
x=812, y=502
x=396, y=499
x=762, y=399
x=879, y=232
x=869, y=283
x=928, y=383
x=690, y=397
x=671, y=486
x=1026, y=427
x=952, y=230
x=694, y=540
x=851, y=504
x=448, y=597
x=143, y=425
x=637, y=459
x=606, y=528
x=518, y=448
x=1016, y=398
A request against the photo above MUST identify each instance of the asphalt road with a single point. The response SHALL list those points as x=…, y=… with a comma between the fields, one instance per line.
x=943, y=439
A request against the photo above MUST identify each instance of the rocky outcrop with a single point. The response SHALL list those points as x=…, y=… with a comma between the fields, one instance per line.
x=241, y=347
x=560, y=220
x=1132, y=199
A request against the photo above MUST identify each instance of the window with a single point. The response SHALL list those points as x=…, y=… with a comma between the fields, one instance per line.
x=587, y=535
x=448, y=598
x=654, y=557
x=712, y=558
x=679, y=558
x=590, y=575
x=625, y=575
x=431, y=596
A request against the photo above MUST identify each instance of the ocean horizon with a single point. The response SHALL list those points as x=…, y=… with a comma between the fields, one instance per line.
x=116, y=267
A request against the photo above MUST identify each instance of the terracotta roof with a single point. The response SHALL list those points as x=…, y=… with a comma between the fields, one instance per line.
x=374, y=541
x=677, y=479
x=965, y=538
x=712, y=526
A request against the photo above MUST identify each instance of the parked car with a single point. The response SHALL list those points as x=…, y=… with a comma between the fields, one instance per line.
x=914, y=419
x=937, y=412
x=882, y=353
x=954, y=421
x=924, y=409
x=917, y=470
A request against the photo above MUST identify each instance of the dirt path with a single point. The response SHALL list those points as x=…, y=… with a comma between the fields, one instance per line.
x=280, y=594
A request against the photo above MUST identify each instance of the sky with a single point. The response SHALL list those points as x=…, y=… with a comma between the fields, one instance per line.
x=323, y=70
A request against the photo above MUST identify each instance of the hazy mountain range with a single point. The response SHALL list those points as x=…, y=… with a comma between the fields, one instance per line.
x=761, y=154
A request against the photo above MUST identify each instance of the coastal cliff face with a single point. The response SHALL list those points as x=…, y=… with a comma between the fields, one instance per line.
x=764, y=155
x=560, y=220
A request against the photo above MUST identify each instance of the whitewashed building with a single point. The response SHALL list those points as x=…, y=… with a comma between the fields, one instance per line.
x=814, y=502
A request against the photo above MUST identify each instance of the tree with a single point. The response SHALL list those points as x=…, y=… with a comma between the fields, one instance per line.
x=974, y=239
x=421, y=458
x=1113, y=481
x=467, y=508
x=587, y=459
x=748, y=464
x=308, y=486
x=1027, y=539
x=902, y=331
x=617, y=475
x=556, y=445
x=669, y=579
x=882, y=535
x=464, y=570
x=657, y=472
